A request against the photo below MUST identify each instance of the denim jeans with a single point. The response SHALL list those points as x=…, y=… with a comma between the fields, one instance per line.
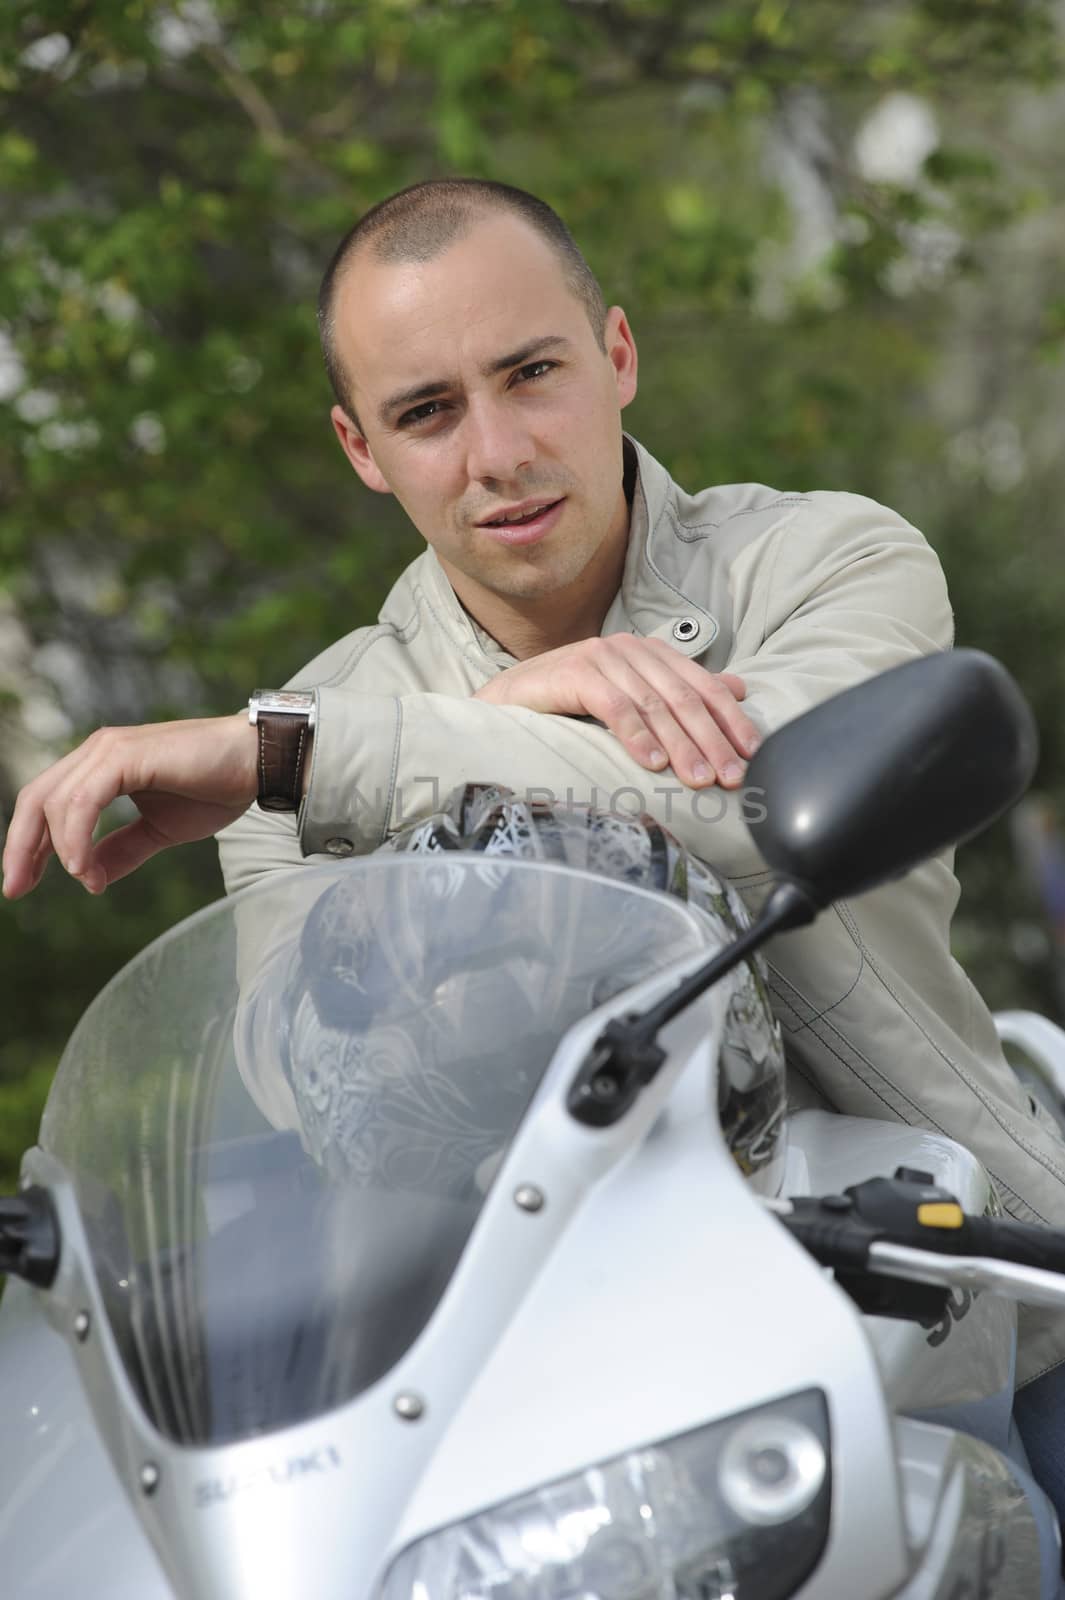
x=1039, y=1412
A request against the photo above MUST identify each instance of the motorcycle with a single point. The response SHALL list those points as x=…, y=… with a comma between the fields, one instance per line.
x=433, y=1227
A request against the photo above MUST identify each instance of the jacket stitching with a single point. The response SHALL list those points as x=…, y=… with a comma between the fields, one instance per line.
x=1053, y=1366
x=1027, y=1210
x=793, y=1066
x=408, y=629
x=667, y=511
x=849, y=1064
x=689, y=531
x=771, y=579
x=893, y=1110
x=480, y=661
x=974, y=1088
x=355, y=655
x=775, y=980
x=920, y=1116
x=844, y=996
x=387, y=815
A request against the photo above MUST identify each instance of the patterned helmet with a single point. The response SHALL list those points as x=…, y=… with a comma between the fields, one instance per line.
x=490, y=819
x=407, y=1043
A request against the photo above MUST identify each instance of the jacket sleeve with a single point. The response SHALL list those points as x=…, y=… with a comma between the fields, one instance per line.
x=842, y=589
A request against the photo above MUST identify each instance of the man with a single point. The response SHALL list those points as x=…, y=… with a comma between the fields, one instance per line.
x=569, y=630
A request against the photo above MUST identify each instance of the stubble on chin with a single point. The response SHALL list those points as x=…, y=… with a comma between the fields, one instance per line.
x=537, y=572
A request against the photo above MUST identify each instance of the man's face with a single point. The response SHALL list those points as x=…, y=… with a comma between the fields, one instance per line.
x=524, y=406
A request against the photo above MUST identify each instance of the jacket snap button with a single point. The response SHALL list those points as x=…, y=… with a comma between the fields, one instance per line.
x=686, y=628
x=339, y=847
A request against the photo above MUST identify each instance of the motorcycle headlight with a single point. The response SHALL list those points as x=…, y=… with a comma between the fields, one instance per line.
x=737, y=1510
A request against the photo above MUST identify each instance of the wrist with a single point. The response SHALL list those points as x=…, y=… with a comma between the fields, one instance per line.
x=243, y=740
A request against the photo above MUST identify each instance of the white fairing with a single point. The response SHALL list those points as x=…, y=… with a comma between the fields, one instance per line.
x=1041, y=1039
x=66, y=1525
x=617, y=1286
x=968, y=1354
x=596, y=1364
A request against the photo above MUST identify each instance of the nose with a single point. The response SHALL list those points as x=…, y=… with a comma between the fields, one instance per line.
x=498, y=444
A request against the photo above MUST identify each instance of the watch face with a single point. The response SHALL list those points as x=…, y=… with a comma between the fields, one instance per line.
x=294, y=702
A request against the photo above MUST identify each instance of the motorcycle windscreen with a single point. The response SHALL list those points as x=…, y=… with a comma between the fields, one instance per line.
x=282, y=1119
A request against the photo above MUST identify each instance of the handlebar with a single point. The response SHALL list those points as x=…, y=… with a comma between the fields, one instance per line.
x=884, y=1236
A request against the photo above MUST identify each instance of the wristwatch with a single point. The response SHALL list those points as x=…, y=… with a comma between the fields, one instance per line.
x=284, y=718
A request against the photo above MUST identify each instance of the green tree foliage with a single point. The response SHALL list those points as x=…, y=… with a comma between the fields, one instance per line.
x=176, y=523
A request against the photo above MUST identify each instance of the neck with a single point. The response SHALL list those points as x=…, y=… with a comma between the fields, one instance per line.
x=525, y=631
x=527, y=627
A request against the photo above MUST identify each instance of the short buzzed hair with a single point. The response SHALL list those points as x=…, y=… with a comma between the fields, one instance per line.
x=421, y=222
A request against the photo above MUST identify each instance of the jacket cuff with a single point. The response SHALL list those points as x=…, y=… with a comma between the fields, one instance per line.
x=354, y=759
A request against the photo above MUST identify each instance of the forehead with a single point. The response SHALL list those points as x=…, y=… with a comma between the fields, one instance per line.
x=493, y=290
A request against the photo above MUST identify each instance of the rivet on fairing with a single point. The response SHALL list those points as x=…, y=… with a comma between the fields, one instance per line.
x=409, y=1406
x=529, y=1197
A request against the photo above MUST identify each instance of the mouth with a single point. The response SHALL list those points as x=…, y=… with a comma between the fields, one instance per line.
x=525, y=527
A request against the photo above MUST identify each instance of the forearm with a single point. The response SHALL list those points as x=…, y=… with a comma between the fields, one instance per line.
x=381, y=762
x=417, y=749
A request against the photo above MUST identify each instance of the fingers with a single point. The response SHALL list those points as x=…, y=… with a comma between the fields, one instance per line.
x=665, y=709
x=659, y=703
x=127, y=849
x=616, y=695
x=57, y=814
x=74, y=805
x=29, y=841
x=191, y=777
x=719, y=691
x=26, y=854
x=40, y=858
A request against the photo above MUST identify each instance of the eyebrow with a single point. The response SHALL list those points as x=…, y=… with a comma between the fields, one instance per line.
x=439, y=386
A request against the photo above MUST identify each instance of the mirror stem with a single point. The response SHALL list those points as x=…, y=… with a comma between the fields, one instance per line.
x=627, y=1055
x=787, y=906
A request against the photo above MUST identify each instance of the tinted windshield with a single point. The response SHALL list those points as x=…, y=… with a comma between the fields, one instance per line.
x=283, y=1118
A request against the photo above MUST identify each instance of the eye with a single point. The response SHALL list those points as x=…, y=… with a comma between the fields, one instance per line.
x=536, y=369
x=422, y=413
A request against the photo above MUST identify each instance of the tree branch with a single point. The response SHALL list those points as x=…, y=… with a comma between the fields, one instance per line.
x=248, y=94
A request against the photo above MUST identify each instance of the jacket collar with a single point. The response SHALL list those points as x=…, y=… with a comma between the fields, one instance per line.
x=651, y=602
x=647, y=603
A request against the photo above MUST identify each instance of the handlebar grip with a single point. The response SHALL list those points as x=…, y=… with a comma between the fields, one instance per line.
x=834, y=1241
x=1024, y=1243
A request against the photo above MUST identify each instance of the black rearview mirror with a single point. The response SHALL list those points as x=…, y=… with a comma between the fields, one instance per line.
x=865, y=786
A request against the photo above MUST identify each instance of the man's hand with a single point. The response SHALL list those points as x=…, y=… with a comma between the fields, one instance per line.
x=187, y=780
x=663, y=708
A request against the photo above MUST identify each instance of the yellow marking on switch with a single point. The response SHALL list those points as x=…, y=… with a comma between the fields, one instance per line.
x=940, y=1214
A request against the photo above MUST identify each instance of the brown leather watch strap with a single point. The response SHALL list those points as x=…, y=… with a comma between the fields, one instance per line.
x=283, y=744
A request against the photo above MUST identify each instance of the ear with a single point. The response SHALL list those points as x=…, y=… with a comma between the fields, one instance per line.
x=358, y=451
x=621, y=353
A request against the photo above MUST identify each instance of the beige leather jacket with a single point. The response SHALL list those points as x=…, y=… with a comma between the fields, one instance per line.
x=801, y=595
